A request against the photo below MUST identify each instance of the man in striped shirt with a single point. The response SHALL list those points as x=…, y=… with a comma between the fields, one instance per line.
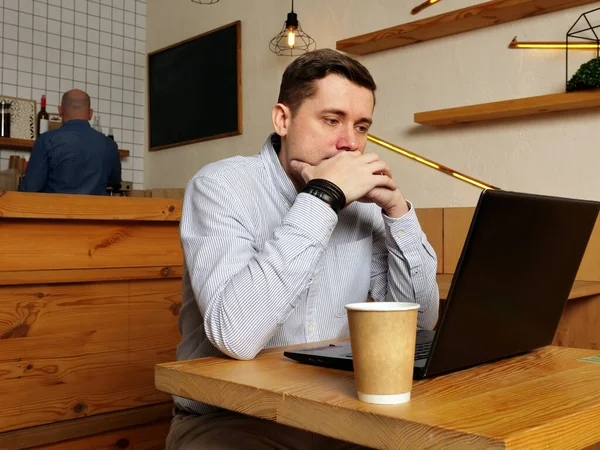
x=277, y=243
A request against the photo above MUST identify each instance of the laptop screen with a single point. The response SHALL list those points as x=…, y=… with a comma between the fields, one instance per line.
x=513, y=278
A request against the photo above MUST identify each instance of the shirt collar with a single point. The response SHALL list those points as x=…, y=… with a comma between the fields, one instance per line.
x=280, y=179
x=76, y=122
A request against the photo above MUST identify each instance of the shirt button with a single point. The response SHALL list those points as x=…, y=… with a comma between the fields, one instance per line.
x=311, y=329
x=400, y=233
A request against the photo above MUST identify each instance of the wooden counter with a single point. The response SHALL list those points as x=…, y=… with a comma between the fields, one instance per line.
x=90, y=292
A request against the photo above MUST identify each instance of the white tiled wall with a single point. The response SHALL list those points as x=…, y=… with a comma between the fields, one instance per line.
x=99, y=46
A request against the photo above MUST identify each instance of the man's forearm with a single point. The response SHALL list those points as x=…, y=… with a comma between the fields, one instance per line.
x=412, y=267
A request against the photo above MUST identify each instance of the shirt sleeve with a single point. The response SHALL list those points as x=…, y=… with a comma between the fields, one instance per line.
x=245, y=289
x=404, y=266
x=35, y=178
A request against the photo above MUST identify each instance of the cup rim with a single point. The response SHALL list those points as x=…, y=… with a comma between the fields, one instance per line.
x=382, y=306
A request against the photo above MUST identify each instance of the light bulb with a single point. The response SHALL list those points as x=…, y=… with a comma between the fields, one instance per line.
x=291, y=38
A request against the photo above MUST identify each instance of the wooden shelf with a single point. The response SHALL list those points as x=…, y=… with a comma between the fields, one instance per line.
x=27, y=145
x=471, y=18
x=528, y=106
x=16, y=144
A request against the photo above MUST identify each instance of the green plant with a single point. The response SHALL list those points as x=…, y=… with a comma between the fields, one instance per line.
x=586, y=77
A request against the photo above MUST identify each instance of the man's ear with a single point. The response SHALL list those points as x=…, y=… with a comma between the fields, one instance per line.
x=91, y=114
x=281, y=119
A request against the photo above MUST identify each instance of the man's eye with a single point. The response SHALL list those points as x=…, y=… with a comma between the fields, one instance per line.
x=331, y=121
x=362, y=129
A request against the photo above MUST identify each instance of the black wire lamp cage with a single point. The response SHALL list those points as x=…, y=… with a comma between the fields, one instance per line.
x=205, y=2
x=292, y=40
x=588, y=75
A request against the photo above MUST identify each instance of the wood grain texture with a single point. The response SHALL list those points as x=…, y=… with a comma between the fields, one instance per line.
x=147, y=437
x=86, y=244
x=529, y=106
x=84, y=426
x=474, y=17
x=578, y=325
x=88, y=275
x=456, y=227
x=19, y=205
x=590, y=265
x=432, y=224
x=76, y=350
x=543, y=399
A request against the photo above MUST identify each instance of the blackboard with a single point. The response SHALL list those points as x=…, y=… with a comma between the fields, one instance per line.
x=195, y=89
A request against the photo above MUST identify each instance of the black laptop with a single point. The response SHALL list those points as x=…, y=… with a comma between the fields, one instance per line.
x=510, y=286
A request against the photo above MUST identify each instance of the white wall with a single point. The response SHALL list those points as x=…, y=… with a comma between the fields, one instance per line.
x=51, y=46
x=554, y=154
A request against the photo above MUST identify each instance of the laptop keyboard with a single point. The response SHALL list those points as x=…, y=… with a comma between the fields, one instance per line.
x=421, y=351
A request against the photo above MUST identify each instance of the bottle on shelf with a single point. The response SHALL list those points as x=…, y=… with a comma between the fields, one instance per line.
x=42, y=117
x=97, y=126
x=5, y=119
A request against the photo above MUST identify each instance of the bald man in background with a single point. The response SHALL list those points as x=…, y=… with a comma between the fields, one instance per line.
x=75, y=158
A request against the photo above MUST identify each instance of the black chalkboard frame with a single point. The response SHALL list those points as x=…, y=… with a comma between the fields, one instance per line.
x=233, y=132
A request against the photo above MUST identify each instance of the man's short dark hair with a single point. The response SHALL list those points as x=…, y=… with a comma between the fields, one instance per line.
x=298, y=81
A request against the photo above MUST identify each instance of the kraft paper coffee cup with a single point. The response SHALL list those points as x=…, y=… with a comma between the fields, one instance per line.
x=383, y=335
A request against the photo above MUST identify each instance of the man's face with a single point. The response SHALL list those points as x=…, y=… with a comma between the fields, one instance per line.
x=336, y=119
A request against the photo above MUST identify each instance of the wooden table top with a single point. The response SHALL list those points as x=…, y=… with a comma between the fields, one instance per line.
x=544, y=399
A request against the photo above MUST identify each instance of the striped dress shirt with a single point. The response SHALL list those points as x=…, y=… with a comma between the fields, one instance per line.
x=268, y=267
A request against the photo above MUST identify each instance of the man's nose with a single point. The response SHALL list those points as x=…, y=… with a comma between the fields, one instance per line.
x=347, y=140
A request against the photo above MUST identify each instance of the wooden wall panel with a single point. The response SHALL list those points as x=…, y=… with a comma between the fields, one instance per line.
x=146, y=437
x=432, y=224
x=55, y=244
x=83, y=349
x=456, y=226
x=87, y=275
x=590, y=266
x=579, y=324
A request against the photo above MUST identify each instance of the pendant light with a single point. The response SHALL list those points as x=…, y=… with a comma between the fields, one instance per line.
x=292, y=40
